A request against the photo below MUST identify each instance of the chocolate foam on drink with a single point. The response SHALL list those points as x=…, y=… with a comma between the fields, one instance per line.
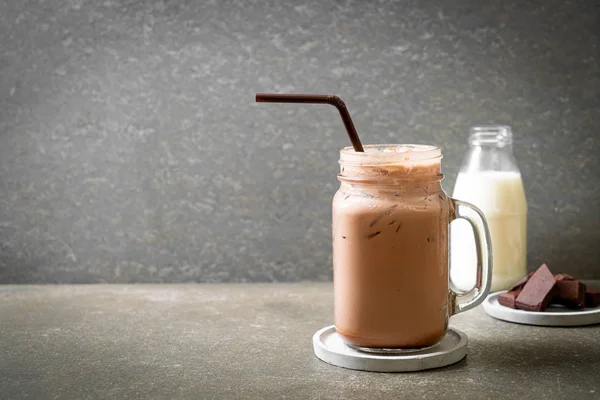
x=393, y=162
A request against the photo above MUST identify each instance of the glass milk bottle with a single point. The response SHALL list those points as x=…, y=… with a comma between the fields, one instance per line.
x=490, y=179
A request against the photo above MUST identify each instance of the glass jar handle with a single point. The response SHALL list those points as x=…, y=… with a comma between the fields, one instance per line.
x=483, y=246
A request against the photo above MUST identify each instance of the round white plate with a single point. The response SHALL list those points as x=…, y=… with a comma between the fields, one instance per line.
x=330, y=347
x=552, y=316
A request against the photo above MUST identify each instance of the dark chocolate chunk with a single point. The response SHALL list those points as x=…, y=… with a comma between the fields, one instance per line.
x=508, y=299
x=519, y=285
x=538, y=291
x=570, y=294
x=592, y=298
x=563, y=277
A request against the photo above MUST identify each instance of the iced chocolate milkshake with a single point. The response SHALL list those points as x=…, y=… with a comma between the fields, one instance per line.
x=390, y=247
x=390, y=242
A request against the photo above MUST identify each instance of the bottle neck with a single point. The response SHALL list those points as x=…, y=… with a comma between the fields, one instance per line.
x=490, y=149
x=498, y=136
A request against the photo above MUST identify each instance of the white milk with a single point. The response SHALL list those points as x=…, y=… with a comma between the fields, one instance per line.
x=501, y=197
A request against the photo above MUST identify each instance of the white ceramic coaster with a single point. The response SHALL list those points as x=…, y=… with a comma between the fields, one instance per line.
x=330, y=347
x=552, y=316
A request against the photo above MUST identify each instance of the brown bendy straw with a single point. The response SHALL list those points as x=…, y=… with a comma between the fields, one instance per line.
x=317, y=99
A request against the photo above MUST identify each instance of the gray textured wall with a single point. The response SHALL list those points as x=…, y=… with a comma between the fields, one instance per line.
x=131, y=149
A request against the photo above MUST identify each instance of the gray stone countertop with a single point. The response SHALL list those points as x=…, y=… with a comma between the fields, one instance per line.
x=254, y=341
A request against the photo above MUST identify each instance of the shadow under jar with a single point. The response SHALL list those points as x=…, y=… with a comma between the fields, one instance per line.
x=390, y=249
